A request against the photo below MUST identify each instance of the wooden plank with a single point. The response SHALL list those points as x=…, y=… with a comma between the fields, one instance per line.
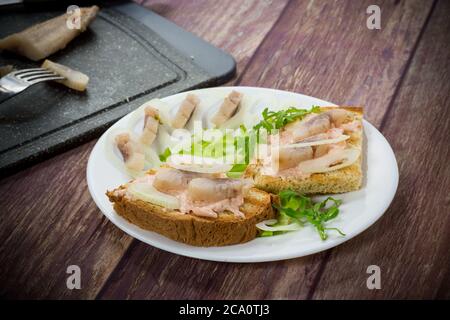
x=48, y=223
x=324, y=49
x=49, y=220
x=237, y=27
x=149, y=273
x=312, y=49
x=411, y=243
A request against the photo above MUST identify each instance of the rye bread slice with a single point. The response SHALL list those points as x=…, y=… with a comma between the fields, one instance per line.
x=226, y=229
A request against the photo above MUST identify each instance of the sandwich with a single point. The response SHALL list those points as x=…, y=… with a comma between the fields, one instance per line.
x=194, y=208
x=320, y=153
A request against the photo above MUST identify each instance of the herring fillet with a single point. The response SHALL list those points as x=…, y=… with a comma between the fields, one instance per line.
x=73, y=79
x=43, y=39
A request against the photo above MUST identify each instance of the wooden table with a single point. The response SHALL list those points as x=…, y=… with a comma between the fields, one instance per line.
x=401, y=73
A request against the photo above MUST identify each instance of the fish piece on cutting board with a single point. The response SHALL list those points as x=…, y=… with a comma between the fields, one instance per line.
x=43, y=39
x=73, y=79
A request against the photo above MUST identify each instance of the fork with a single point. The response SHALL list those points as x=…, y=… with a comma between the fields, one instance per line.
x=17, y=81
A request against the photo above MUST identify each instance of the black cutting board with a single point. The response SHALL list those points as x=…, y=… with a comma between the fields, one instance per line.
x=130, y=54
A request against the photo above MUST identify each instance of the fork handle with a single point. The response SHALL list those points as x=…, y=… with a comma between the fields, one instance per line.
x=5, y=95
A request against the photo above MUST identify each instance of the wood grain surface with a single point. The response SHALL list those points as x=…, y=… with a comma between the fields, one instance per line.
x=401, y=74
x=294, y=278
x=324, y=49
x=411, y=243
x=238, y=27
x=49, y=220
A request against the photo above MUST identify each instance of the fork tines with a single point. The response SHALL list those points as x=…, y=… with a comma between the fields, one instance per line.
x=26, y=73
x=36, y=75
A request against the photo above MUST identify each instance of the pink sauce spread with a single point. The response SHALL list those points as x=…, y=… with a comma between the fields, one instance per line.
x=211, y=209
x=198, y=208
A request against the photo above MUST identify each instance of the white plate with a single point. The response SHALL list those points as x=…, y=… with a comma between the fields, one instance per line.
x=360, y=209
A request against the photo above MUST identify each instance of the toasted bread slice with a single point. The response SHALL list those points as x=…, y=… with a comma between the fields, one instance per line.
x=338, y=181
x=226, y=229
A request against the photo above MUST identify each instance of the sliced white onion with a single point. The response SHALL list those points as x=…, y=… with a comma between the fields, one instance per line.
x=240, y=115
x=147, y=192
x=151, y=158
x=137, y=116
x=324, y=164
x=266, y=226
x=113, y=155
x=316, y=143
x=198, y=164
x=163, y=109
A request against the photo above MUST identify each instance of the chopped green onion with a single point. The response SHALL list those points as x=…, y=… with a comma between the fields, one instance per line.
x=295, y=207
x=278, y=119
x=166, y=154
x=236, y=171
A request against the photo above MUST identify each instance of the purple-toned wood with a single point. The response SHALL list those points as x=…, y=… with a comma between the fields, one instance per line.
x=290, y=58
x=320, y=48
x=48, y=219
x=411, y=243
